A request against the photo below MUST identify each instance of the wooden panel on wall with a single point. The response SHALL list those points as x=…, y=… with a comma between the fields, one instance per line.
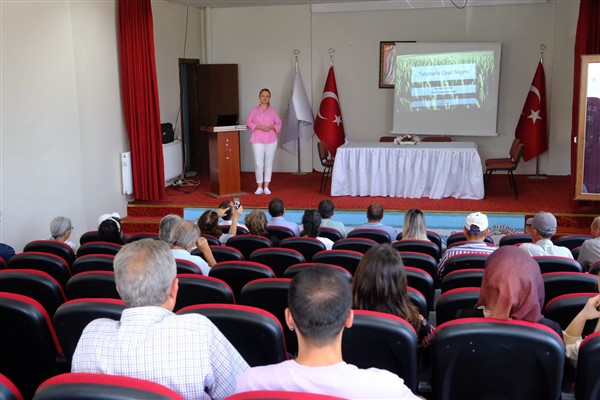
x=218, y=92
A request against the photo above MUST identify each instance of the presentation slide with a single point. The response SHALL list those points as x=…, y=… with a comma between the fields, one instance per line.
x=446, y=88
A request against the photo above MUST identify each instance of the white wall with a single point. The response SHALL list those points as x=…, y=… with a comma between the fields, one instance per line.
x=261, y=41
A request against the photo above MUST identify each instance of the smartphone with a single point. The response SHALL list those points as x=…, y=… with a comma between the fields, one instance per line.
x=236, y=202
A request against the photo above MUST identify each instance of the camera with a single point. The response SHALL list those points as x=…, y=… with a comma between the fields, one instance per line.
x=236, y=202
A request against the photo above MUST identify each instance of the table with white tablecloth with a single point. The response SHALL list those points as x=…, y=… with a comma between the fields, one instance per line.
x=431, y=169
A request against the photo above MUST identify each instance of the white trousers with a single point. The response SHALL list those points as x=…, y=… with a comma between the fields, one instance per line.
x=264, y=153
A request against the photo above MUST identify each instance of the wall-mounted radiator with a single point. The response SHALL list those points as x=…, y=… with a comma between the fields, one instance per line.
x=173, y=165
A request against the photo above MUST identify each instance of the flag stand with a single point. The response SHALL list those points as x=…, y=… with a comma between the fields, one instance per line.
x=299, y=171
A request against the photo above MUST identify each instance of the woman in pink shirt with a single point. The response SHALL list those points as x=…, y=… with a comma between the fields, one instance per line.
x=264, y=123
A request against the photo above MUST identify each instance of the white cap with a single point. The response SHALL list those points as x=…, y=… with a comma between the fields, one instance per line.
x=476, y=222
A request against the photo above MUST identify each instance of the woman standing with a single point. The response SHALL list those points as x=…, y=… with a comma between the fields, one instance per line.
x=264, y=123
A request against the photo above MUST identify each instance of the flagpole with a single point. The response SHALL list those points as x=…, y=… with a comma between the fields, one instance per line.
x=299, y=171
x=537, y=175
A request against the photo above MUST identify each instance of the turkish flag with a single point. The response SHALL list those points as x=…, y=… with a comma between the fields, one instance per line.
x=532, y=127
x=328, y=125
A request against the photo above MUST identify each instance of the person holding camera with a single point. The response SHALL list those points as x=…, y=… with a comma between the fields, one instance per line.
x=209, y=222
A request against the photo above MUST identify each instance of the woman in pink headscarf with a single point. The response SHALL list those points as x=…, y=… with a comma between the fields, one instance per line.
x=513, y=288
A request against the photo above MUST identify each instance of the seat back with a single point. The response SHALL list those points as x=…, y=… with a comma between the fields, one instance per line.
x=280, y=232
x=142, y=235
x=564, y=308
x=53, y=265
x=460, y=237
x=255, y=333
x=452, y=301
x=98, y=247
x=73, y=316
x=516, y=154
x=362, y=245
x=297, y=268
x=479, y=358
x=559, y=283
x=200, y=289
x=418, y=299
x=246, y=244
x=330, y=233
x=571, y=241
x=431, y=235
x=387, y=139
x=421, y=261
x=575, y=253
x=462, y=278
x=35, y=284
x=347, y=259
x=595, y=268
x=383, y=341
x=423, y=282
x=187, y=267
x=515, y=238
x=308, y=247
x=212, y=240
x=514, y=147
x=378, y=235
x=92, y=284
x=436, y=139
x=60, y=249
x=8, y=390
x=277, y=258
x=270, y=294
x=29, y=343
x=82, y=386
x=89, y=236
x=93, y=262
x=557, y=264
x=465, y=261
x=241, y=230
x=225, y=253
x=587, y=384
x=237, y=273
x=418, y=246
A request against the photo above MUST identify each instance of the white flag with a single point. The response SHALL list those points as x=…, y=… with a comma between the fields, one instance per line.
x=299, y=119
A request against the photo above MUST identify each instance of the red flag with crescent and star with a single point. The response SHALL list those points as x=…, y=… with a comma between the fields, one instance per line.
x=532, y=128
x=328, y=124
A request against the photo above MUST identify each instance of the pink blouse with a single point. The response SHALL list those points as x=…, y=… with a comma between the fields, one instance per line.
x=258, y=117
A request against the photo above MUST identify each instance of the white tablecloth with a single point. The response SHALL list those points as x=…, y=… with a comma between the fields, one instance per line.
x=431, y=169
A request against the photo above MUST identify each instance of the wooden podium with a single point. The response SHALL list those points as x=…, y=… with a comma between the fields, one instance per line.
x=224, y=159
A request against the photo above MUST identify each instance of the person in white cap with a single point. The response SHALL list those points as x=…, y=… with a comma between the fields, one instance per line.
x=543, y=227
x=476, y=229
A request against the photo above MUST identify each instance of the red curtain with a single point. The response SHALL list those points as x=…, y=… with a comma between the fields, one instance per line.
x=587, y=41
x=139, y=92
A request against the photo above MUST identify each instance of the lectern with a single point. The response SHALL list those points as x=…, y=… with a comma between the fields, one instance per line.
x=224, y=159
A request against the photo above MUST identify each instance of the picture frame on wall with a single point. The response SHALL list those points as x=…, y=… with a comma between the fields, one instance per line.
x=387, y=74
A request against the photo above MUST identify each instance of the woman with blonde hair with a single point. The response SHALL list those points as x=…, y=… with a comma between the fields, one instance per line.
x=414, y=225
x=256, y=222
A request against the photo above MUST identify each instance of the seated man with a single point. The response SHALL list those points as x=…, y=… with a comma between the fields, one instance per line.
x=327, y=209
x=184, y=236
x=186, y=353
x=543, y=227
x=374, y=217
x=476, y=229
x=166, y=226
x=590, y=249
x=319, y=309
x=277, y=211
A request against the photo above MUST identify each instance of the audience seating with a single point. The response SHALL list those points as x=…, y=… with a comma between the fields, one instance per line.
x=595, y=268
x=587, y=384
x=575, y=252
x=246, y=244
x=212, y=240
x=279, y=395
x=419, y=300
x=93, y=262
x=564, y=308
x=418, y=246
x=515, y=238
x=280, y=232
x=557, y=264
x=200, y=289
x=462, y=278
x=89, y=236
x=479, y=358
x=330, y=233
x=465, y=261
x=30, y=348
x=98, y=248
x=326, y=162
x=60, y=249
x=431, y=235
x=72, y=317
x=240, y=230
x=297, y=268
x=508, y=165
x=222, y=253
x=255, y=333
x=2, y=263
x=35, y=284
x=423, y=282
x=347, y=259
x=378, y=235
x=187, y=267
x=54, y=266
x=237, y=273
x=362, y=245
x=456, y=237
x=142, y=235
x=92, y=284
x=559, y=283
x=82, y=386
x=271, y=294
x=571, y=241
x=277, y=258
x=8, y=390
x=308, y=247
x=452, y=301
x=383, y=341
x=421, y=261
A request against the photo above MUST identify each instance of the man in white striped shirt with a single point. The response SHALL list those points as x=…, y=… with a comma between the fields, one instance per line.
x=476, y=229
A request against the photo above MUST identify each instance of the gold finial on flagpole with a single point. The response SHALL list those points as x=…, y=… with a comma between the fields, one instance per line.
x=296, y=53
x=542, y=48
x=331, y=51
